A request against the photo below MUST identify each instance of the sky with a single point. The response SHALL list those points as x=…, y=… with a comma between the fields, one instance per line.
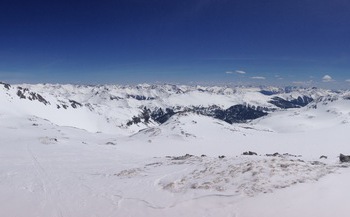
x=258, y=42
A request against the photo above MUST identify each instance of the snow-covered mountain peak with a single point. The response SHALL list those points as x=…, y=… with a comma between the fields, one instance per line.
x=126, y=109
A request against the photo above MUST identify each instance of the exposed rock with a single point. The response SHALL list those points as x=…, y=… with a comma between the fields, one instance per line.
x=316, y=163
x=249, y=153
x=323, y=157
x=294, y=103
x=291, y=155
x=111, y=97
x=7, y=86
x=21, y=95
x=234, y=114
x=135, y=120
x=139, y=97
x=22, y=92
x=184, y=157
x=162, y=116
x=36, y=96
x=143, y=117
x=276, y=154
x=239, y=113
x=75, y=104
x=344, y=158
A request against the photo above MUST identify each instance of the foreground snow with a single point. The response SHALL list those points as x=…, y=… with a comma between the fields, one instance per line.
x=50, y=170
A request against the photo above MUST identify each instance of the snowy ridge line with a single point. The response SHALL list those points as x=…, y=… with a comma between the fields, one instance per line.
x=125, y=110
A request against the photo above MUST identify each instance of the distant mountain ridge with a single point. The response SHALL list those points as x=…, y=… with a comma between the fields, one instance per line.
x=126, y=109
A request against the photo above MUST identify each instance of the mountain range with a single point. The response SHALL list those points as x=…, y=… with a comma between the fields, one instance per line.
x=125, y=110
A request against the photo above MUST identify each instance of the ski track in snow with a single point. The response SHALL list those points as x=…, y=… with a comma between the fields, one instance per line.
x=52, y=195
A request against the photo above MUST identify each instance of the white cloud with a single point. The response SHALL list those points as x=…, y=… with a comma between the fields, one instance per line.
x=327, y=78
x=237, y=71
x=347, y=80
x=258, y=78
x=240, y=72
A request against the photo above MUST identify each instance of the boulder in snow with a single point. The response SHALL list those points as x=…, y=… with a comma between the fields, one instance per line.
x=344, y=158
x=249, y=153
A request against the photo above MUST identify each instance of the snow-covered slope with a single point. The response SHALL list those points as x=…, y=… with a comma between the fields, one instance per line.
x=323, y=114
x=60, y=171
x=170, y=150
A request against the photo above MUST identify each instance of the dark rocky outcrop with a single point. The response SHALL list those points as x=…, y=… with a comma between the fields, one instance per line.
x=75, y=104
x=184, y=157
x=291, y=155
x=162, y=116
x=234, y=114
x=139, y=97
x=294, y=103
x=344, y=158
x=22, y=92
x=111, y=97
x=143, y=117
x=135, y=120
x=7, y=86
x=36, y=96
x=239, y=113
x=276, y=154
x=21, y=95
x=249, y=153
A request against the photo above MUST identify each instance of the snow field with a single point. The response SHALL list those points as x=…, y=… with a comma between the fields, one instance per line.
x=85, y=163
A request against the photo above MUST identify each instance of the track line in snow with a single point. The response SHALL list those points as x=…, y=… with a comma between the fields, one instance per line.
x=51, y=195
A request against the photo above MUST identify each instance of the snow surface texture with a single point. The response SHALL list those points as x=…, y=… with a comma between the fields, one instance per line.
x=86, y=161
x=233, y=175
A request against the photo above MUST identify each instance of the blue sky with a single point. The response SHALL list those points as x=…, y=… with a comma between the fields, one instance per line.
x=178, y=41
